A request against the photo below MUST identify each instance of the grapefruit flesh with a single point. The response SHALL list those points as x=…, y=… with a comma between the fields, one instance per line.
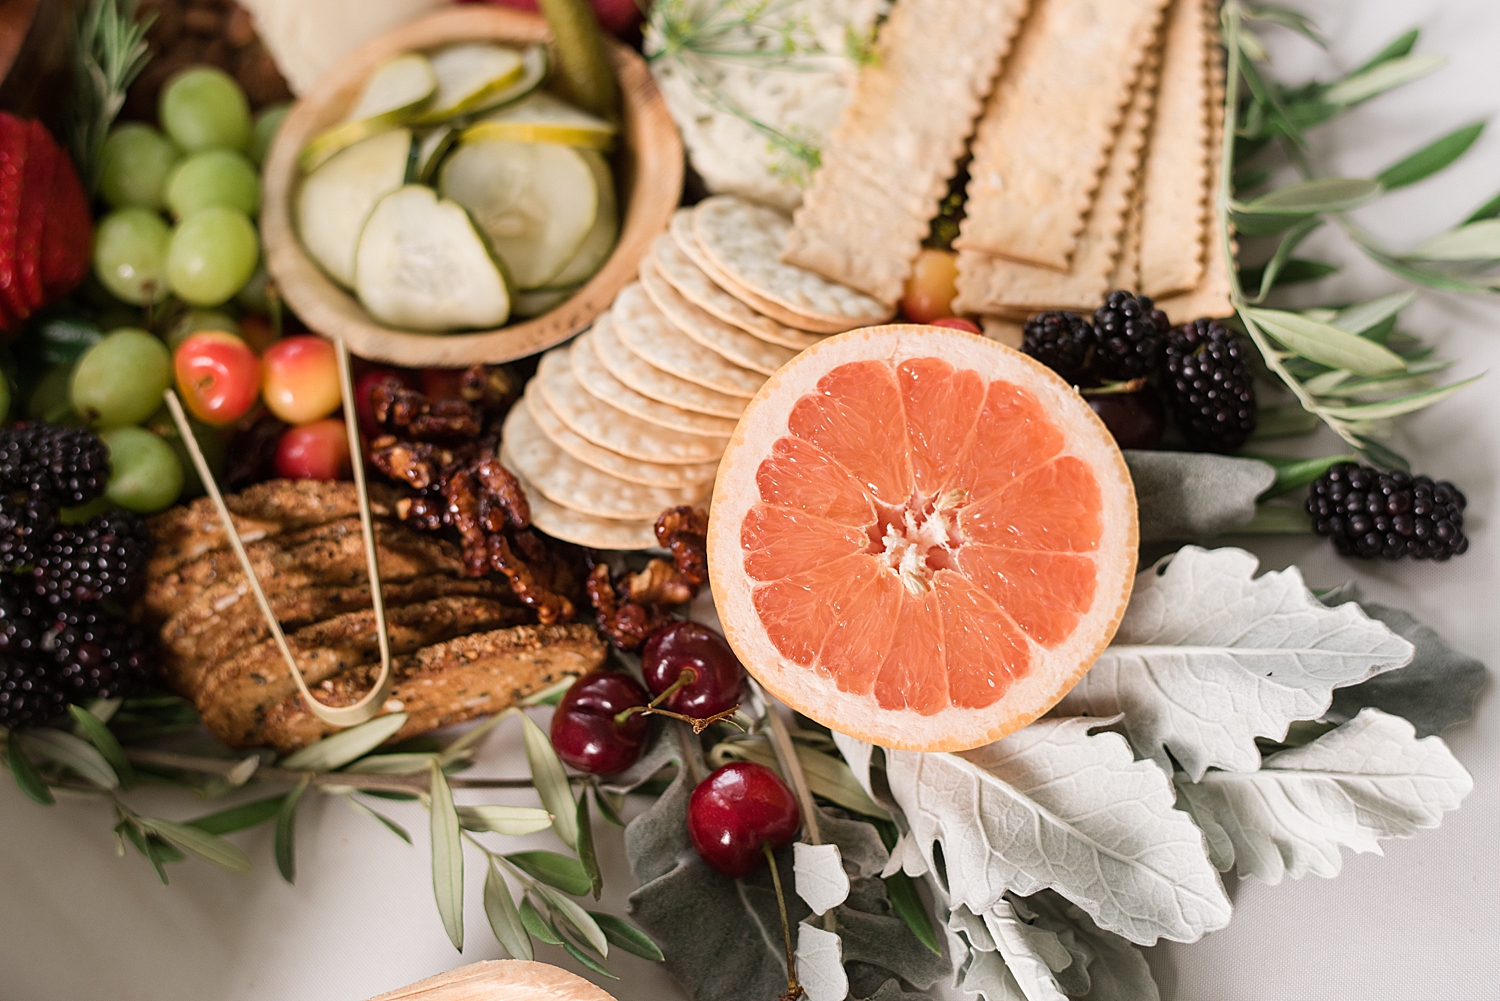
x=920, y=537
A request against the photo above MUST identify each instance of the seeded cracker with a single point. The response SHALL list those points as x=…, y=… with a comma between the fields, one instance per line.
x=1211, y=297
x=1045, y=137
x=650, y=336
x=566, y=481
x=724, y=339
x=744, y=241
x=651, y=474
x=663, y=387
x=887, y=165
x=696, y=287
x=989, y=284
x=582, y=529
x=614, y=429
x=597, y=381
x=1174, y=193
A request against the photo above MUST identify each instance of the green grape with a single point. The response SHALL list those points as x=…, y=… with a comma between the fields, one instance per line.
x=202, y=108
x=146, y=474
x=266, y=124
x=134, y=165
x=130, y=255
x=52, y=398
x=194, y=320
x=213, y=177
x=121, y=379
x=214, y=252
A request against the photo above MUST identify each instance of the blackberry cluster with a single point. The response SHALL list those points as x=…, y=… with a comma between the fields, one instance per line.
x=1210, y=386
x=1131, y=334
x=1370, y=514
x=63, y=636
x=1062, y=341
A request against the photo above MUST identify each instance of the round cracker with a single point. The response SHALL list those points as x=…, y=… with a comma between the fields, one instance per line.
x=724, y=339
x=605, y=426
x=696, y=287
x=744, y=243
x=566, y=481
x=598, y=382
x=655, y=384
x=651, y=474
x=581, y=529
x=650, y=336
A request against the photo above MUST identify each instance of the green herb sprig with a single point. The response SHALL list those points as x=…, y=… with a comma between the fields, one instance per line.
x=1348, y=367
x=111, y=52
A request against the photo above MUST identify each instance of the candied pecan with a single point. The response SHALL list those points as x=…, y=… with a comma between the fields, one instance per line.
x=490, y=387
x=410, y=412
x=419, y=464
x=659, y=583
x=503, y=490
x=683, y=532
x=426, y=511
x=549, y=605
x=464, y=514
x=626, y=623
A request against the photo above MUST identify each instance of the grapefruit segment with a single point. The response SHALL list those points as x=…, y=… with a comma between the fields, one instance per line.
x=920, y=537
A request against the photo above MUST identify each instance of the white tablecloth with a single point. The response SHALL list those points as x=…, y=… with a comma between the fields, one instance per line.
x=1419, y=923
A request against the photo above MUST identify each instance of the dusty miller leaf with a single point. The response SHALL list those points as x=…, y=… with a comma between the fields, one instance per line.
x=983, y=970
x=1116, y=969
x=821, y=880
x=1208, y=657
x=1368, y=779
x=1191, y=495
x=1055, y=806
x=820, y=964
x=1033, y=955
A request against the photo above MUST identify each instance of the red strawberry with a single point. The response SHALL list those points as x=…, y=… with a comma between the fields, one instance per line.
x=68, y=233
x=36, y=188
x=14, y=139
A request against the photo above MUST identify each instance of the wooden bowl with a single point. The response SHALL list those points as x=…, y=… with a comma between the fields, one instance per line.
x=648, y=177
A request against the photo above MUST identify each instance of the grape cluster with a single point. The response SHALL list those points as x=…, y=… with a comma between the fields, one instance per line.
x=1372, y=515
x=62, y=635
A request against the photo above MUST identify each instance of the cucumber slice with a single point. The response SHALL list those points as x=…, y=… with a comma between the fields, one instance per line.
x=536, y=203
x=539, y=301
x=337, y=198
x=393, y=94
x=469, y=76
x=422, y=265
x=600, y=242
x=542, y=118
x=428, y=153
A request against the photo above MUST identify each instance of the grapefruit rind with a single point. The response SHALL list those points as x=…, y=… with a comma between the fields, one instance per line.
x=1053, y=672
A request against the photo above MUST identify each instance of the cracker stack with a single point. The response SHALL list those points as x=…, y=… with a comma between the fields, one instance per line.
x=1094, y=157
x=631, y=417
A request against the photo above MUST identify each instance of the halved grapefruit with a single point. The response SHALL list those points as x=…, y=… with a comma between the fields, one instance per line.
x=920, y=537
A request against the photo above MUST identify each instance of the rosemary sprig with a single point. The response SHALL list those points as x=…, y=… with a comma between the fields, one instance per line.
x=111, y=52
x=1347, y=368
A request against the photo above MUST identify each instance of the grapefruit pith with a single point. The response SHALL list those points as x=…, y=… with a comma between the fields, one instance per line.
x=920, y=537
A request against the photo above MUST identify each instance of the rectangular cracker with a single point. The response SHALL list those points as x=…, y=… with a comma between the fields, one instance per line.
x=887, y=165
x=1044, y=140
x=1211, y=296
x=988, y=284
x=1127, y=272
x=1174, y=194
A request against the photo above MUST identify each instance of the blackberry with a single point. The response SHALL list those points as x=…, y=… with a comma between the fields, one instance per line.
x=29, y=693
x=1372, y=514
x=1062, y=341
x=105, y=558
x=26, y=523
x=96, y=655
x=70, y=465
x=1210, y=386
x=1130, y=333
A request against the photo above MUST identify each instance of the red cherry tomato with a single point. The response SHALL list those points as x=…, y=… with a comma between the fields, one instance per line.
x=218, y=376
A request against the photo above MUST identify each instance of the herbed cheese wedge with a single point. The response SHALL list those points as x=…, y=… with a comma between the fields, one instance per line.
x=536, y=202
x=600, y=242
x=422, y=265
x=473, y=76
x=394, y=94
x=543, y=118
x=336, y=199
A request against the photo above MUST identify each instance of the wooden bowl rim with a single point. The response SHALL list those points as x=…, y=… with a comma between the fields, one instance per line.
x=654, y=191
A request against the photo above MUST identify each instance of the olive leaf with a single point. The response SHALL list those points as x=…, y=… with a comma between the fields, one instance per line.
x=586, y=857
x=505, y=920
x=238, y=818
x=67, y=750
x=1430, y=158
x=447, y=858
x=562, y=871
x=92, y=728
x=1366, y=316
x=382, y=819
x=338, y=749
x=536, y=924
x=1325, y=194
x=285, y=846
x=1293, y=474
x=514, y=821
x=209, y=847
x=1384, y=76
x=578, y=918
x=28, y=780
x=1386, y=409
x=627, y=936
x=550, y=780
x=1477, y=241
x=1327, y=344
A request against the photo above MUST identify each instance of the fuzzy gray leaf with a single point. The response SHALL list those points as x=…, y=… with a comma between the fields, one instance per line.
x=1208, y=657
x=1190, y=495
x=1116, y=969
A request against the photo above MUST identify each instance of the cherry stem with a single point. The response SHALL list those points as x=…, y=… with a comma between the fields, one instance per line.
x=1115, y=388
x=686, y=677
x=793, y=989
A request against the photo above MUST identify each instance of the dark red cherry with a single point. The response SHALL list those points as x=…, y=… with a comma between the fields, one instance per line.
x=1137, y=419
x=719, y=681
x=734, y=810
x=585, y=732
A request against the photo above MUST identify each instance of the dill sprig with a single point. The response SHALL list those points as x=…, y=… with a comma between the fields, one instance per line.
x=111, y=52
